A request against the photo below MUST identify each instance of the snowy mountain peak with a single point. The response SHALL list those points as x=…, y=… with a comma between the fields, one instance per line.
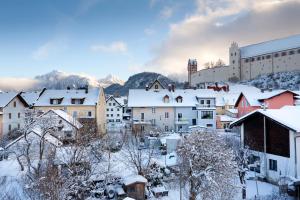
x=109, y=80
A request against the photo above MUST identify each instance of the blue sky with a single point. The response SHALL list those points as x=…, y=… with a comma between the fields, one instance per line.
x=96, y=37
x=123, y=37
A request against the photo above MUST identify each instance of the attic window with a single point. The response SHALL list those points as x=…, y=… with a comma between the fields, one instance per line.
x=77, y=101
x=179, y=99
x=292, y=52
x=56, y=101
x=283, y=54
x=276, y=55
x=156, y=86
x=166, y=99
x=268, y=57
x=252, y=59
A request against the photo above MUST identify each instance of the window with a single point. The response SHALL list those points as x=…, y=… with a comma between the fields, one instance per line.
x=77, y=101
x=292, y=52
x=107, y=109
x=258, y=58
x=166, y=99
x=273, y=165
x=153, y=110
x=118, y=115
x=118, y=109
x=15, y=104
x=112, y=115
x=111, y=109
x=19, y=115
x=166, y=128
x=209, y=125
x=179, y=116
x=298, y=51
x=153, y=122
x=235, y=53
x=202, y=102
x=276, y=55
x=142, y=128
x=89, y=113
x=19, y=126
x=233, y=61
x=246, y=60
x=107, y=115
x=118, y=120
x=114, y=104
x=207, y=115
x=9, y=115
x=231, y=54
x=142, y=116
x=283, y=53
x=193, y=108
x=208, y=102
x=166, y=115
x=179, y=99
x=252, y=59
x=109, y=104
x=268, y=56
x=156, y=86
x=9, y=127
x=262, y=57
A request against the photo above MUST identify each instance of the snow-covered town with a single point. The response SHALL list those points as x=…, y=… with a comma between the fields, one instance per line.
x=150, y=100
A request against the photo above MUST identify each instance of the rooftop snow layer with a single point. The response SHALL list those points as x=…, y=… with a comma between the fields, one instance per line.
x=31, y=97
x=90, y=98
x=65, y=116
x=134, y=179
x=270, y=46
x=288, y=116
x=6, y=97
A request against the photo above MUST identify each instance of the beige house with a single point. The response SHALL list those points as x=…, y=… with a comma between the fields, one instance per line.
x=248, y=62
x=12, y=107
x=87, y=105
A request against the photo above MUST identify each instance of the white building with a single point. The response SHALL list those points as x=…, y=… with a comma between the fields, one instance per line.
x=115, y=109
x=172, y=109
x=273, y=137
x=12, y=106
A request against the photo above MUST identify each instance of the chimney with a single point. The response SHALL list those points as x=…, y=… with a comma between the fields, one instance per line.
x=170, y=87
x=86, y=89
x=147, y=87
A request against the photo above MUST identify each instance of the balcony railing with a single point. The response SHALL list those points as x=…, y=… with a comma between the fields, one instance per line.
x=181, y=121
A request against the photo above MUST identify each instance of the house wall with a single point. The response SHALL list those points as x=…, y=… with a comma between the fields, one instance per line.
x=101, y=112
x=207, y=122
x=244, y=107
x=188, y=114
x=15, y=122
x=113, y=112
x=159, y=116
x=281, y=100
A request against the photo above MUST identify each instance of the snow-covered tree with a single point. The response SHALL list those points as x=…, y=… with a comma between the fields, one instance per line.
x=207, y=166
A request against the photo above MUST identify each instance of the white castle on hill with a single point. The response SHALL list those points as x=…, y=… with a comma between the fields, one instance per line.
x=248, y=62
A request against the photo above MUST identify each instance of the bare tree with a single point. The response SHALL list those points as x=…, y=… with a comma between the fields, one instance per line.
x=208, y=166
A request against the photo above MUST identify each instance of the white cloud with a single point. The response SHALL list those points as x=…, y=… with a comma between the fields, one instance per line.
x=149, y=31
x=206, y=35
x=52, y=47
x=166, y=12
x=114, y=47
x=17, y=84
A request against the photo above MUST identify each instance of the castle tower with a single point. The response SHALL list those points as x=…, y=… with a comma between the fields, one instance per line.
x=192, y=68
x=234, y=61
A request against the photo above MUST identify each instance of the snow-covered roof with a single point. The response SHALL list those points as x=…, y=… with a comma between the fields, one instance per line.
x=31, y=97
x=128, y=198
x=287, y=115
x=134, y=179
x=6, y=97
x=150, y=98
x=68, y=118
x=121, y=100
x=233, y=110
x=90, y=98
x=271, y=46
x=226, y=118
x=254, y=97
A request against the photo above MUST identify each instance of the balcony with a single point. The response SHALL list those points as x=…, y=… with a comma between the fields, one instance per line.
x=182, y=121
x=141, y=121
x=206, y=106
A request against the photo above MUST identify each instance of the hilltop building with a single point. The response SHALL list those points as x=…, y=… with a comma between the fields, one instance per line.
x=250, y=61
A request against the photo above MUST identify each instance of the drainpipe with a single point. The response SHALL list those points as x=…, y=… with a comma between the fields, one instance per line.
x=265, y=146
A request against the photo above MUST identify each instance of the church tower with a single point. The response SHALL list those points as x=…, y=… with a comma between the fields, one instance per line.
x=192, y=68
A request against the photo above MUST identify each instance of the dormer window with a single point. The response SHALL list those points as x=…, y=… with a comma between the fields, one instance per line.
x=77, y=101
x=179, y=99
x=56, y=101
x=166, y=99
x=156, y=87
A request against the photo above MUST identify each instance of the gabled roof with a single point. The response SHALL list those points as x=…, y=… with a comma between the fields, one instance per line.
x=271, y=46
x=288, y=116
x=7, y=97
x=31, y=97
x=119, y=100
x=90, y=98
x=66, y=117
x=134, y=179
x=255, y=98
x=157, y=81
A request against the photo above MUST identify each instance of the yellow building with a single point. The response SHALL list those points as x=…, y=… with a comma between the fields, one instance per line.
x=86, y=105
